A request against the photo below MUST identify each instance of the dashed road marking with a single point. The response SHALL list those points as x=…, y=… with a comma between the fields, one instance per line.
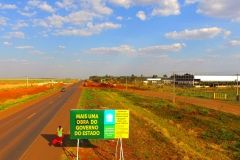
x=31, y=115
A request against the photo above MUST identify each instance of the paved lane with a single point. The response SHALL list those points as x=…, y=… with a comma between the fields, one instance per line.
x=20, y=130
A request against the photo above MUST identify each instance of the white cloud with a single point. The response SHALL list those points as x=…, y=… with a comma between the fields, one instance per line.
x=44, y=6
x=214, y=55
x=24, y=47
x=45, y=35
x=56, y=20
x=209, y=49
x=26, y=8
x=62, y=47
x=76, y=18
x=19, y=25
x=123, y=49
x=100, y=7
x=8, y=6
x=160, y=7
x=14, y=34
x=15, y=61
x=8, y=60
x=91, y=29
x=7, y=43
x=166, y=8
x=155, y=50
x=41, y=5
x=119, y=18
x=191, y=1
x=17, y=34
x=124, y=3
x=220, y=8
x=236, y=20
x=141, y=15
x=48, y=58
x=234, y=43
x=40, y=22
x=67, y=4
x=78, y=60
x=36, y=52
x=199, y=34
x=27, y=14
x=33, y=2
x=80, y=17
x=3, y=21
x=226, y=34
x=231, y=43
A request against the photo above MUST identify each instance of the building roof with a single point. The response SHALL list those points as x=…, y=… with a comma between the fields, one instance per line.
x=154, y=79
x=216, y=78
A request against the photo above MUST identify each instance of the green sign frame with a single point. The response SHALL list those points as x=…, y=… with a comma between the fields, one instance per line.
x=99, y=124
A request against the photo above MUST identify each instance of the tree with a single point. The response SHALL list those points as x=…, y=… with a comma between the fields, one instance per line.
x=132, y=76
x=154, y=76
x=164, y=76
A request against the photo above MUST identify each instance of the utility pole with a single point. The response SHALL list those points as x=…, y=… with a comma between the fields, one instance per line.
x=173, y=87
x=27, y=81
x=126, y=82
x=237, y=89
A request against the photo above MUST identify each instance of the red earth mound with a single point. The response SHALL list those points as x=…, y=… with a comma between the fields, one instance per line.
x=91, y=84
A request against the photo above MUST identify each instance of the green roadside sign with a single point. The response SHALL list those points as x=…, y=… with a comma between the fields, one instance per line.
x=99, y=124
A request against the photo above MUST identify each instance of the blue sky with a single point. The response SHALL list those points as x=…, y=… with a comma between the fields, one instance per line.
x=81, y=38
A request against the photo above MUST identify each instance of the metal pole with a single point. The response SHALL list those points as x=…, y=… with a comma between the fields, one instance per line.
x=237, y=98
x=27, y=81
x=173, y=87
x=77, y=148
x=126, y=82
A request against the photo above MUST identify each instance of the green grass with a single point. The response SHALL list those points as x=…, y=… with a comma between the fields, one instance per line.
x=179, y=130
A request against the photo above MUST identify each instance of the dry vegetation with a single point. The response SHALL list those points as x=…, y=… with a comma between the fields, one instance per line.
x=160, y=129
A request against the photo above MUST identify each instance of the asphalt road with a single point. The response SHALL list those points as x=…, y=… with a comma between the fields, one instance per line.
x=27, y=134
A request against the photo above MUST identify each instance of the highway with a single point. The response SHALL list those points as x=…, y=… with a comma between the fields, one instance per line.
x=27, y=134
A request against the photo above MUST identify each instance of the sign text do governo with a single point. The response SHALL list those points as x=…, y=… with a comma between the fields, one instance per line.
x=103, y=124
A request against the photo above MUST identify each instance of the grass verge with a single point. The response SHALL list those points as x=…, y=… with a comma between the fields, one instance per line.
x=160, y=129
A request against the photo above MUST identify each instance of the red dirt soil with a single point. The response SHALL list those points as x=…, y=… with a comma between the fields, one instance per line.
x=18, y=93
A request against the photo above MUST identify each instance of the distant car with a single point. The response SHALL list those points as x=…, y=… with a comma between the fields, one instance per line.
x=63, y=90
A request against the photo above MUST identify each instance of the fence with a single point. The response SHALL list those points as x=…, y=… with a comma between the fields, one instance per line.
x=224, y=95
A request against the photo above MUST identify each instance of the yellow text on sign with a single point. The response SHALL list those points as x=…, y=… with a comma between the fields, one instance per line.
x=122, y=124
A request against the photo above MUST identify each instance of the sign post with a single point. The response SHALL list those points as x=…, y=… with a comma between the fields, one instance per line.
x=77, y=147
x=99, y=124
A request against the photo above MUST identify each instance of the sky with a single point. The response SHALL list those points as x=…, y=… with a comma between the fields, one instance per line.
x=82, y=38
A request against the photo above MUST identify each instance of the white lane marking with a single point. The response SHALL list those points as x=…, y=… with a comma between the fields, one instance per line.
x=31, y=115
x=43, y=130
